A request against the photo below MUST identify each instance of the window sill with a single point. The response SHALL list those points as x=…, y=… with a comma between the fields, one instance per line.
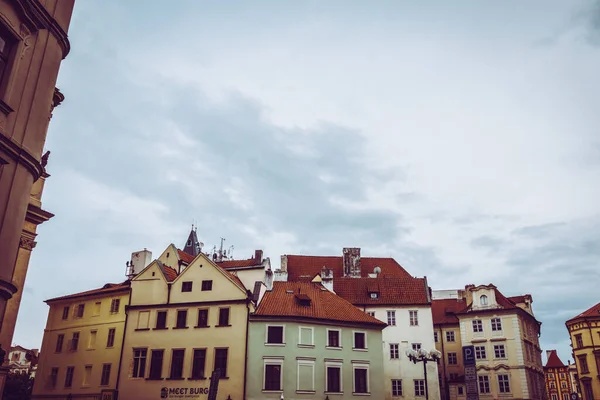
x=361, y=394
x=180, y=327
x=306, y=346
x=155, y=379
x=196, y=379
x=221, y=326
x=333, y=348
x=160, y=329
x=223, y=377
x=272, y=391
x=305, y=392
x=359, y=349
x=142, y=329
x=275, y=344
x=335, y=393
x=175, y=379
x=89, y=349
x=202, y=326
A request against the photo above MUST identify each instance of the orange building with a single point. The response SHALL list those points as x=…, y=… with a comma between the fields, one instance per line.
x=558, y=384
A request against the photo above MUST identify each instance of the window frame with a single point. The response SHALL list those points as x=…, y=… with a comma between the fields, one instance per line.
x=74, y=345
x=365, y=367
x=578, y=341
x=216, y=350
x=483, y=300
x=65, y=313
x=499, y=348
x=115, y=306
x=141, y=324
x=310, y=363
x=413, y=317
x=485, y=380
x=482, y=351
x=166, y=314
x=181, y=312
x=394, y=351
x=366, y=347
x=391, y=317
x=395, y=391
x=198, y=320
x=206, y=285
x=175, y=369
x=421, y=388
x=339, y=366
x=187, y=286
x=452, y=358
x=339, y=338
x=312, y=337
x=110, y=338
x=93, y=338
x=221, y=309
x=477, y=325
x=507, y=386
x=496, y=324
x=141, y=362
x=450, y=334
x=60, y=339
x=102, y=375
x=54, y=376
x=79, y=311
x=282, y=343
x=15, y=46
x=151, y=370
x=69, y=374
x=194, y=374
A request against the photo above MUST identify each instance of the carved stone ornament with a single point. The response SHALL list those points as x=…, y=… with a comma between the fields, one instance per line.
x=27, y=243
x=26, y=35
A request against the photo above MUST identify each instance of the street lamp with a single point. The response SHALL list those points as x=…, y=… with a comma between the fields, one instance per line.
x=424, y=356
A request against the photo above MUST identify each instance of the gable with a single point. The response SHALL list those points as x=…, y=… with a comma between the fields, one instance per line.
x=170, y=257
x=149, y=286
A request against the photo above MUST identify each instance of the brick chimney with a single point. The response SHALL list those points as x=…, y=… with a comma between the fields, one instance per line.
x=351, y=262
x=327, y=278
x=258, y=256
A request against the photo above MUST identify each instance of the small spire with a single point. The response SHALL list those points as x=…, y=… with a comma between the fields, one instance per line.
x=192, y=245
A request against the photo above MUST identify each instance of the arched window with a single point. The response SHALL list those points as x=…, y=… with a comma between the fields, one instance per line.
x=483, y=300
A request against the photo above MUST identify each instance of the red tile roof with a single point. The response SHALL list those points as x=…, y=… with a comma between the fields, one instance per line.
x=390, y=290
x=185, y=257
x=593, y=311
x=109, y=288
x=519, y=299
x=169, y=273
x=554, y=361
x=306, y=267
x=444, y=310
x=324, y=305
x=251, y=262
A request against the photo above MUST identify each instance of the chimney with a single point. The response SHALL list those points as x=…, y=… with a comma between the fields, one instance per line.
x=139, y=261
x=327, y=278
x=269, y=279
x=283, y=266
x=351, y=262
x=258, y=255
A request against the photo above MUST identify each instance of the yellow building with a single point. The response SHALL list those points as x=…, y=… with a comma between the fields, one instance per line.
x=584, y=330
x=558, y=382
x=82, y=343
x=183, y=324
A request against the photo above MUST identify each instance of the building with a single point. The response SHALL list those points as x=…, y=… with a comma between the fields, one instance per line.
x=385, y=290
x=306, y=342
x=572, y=368
x=187, y=317
x=33, y=43
x=558, y=382
x=446, y=332
x=584, y=330
x=22, y=360
x=505, y=336
x=82, y=342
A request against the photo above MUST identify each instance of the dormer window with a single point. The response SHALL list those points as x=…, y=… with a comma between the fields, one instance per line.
x=483, y=300
x=374, y=295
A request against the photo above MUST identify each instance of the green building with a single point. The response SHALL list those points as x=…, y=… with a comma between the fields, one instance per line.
x=305, y=342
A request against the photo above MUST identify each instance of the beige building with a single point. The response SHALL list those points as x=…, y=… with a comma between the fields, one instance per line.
x=82, y=344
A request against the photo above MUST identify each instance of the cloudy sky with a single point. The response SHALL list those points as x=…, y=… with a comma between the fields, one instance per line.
x=461, y=138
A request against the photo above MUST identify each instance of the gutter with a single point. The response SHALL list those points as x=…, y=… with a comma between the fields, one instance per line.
x=123, y=344
x=246, y=349
x=169, y=293
x=427, y=290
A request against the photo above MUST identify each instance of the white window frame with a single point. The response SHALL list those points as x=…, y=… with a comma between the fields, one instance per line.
x=484, y=300
x=492, y=324
x=401, y=388
x=139, y=320
x=397, y=351
x=312, y=336
x=489, y=385
x=371, y=313
x=272, y=361
x=448, y=334
x=267, y=335
x=92, y=343
x=339, y=331
x=509, y=383
x=415, y=384
x=410, y=317
x=391, y=317
x=503, y=350
x=480, y=325
x=366, y=348
x=360, y=365
x=413, y=345
x=335, y=365
x=299, y=363
x=484, y=352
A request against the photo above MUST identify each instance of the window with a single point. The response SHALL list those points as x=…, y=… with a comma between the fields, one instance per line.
x=496, y=324
x=105, y=378
x=223, y=316
x=450, y=336
x=275, y=334
x=504, y=383
x=371, y=313
x=69, y=377
x=221, y=361
x=186, y=286
x=110, y=340
x=334, y=378
x=79, y=311
x=394, y=351
x=414, y=317
x=452, y=359
x=483, y=300
x=156, y=361
x=92, y=340
x=87, y=375
x=419, y=387
x=553, y=396
x=550, y=375
x=552, y=385
x=396, y=387
x=181, y=319
x=391, y=318
x=477, y=325
x=75, y=341
x=359, y=340
x=97, y=308
x=59, y=342
x=206, y=285
x=333, y=338
x=6, y=44
x=53, y=376
x=202, y=318
x=65, y=313
x=361, y=380
x=114, y=306
x=583, y=365
x=177, y=364
x=198, y=363
x=143, y=321
x=416, y=346
x=306, y=376
x=161, y=320
x=480, y=353
x=139, y=363
x=306, y=336
x=499, y=351
x=578, y=341
x=562, y=375
x=461, y=390
x=563, y=385
x=435, y=337
x=374, y=295
x=484, y=383
x=272, y=376
x=565, y=396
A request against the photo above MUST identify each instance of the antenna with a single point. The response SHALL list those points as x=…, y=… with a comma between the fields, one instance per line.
x=229, y=251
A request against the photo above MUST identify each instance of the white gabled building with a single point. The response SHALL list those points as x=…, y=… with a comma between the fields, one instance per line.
x=381, y=287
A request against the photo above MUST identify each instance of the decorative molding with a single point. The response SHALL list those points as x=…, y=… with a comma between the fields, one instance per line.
x=5, y=108
x=27, y=243
x=7, y=289
x=26, y=36
x=22, y=156
x=57, y=99
x=36, y=215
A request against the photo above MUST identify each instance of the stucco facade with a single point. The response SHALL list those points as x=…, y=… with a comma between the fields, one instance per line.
x=558, y=380
x=82, y=344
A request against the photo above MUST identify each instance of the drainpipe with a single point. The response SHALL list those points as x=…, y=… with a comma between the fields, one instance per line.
x=445, y=375
x=168, y=293
x=123, y=343
x=246, y=350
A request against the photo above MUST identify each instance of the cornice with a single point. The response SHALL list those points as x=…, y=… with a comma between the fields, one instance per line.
x=36, y=215
x=22, y=156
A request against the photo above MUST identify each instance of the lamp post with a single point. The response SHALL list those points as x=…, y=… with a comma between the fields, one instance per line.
x=424, y=356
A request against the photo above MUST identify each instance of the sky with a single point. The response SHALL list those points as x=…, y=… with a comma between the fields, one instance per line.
x=460, y=138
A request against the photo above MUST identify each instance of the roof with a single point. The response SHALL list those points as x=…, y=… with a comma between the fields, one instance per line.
x=593, y=311
x=169, y=273
x=554, y=361
x=324, y=305
x=185, y=257
x=519, y=299
x=192, y=245
x=502, y=301
x=230, y=264
x=188, y=258
x=444, y=310
x=306, y=267
x=109, y=288
x=390, y=289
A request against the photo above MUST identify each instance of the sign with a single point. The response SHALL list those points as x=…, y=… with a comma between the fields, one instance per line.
x=181, y=392
x=470, y=373
x=214, y=384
